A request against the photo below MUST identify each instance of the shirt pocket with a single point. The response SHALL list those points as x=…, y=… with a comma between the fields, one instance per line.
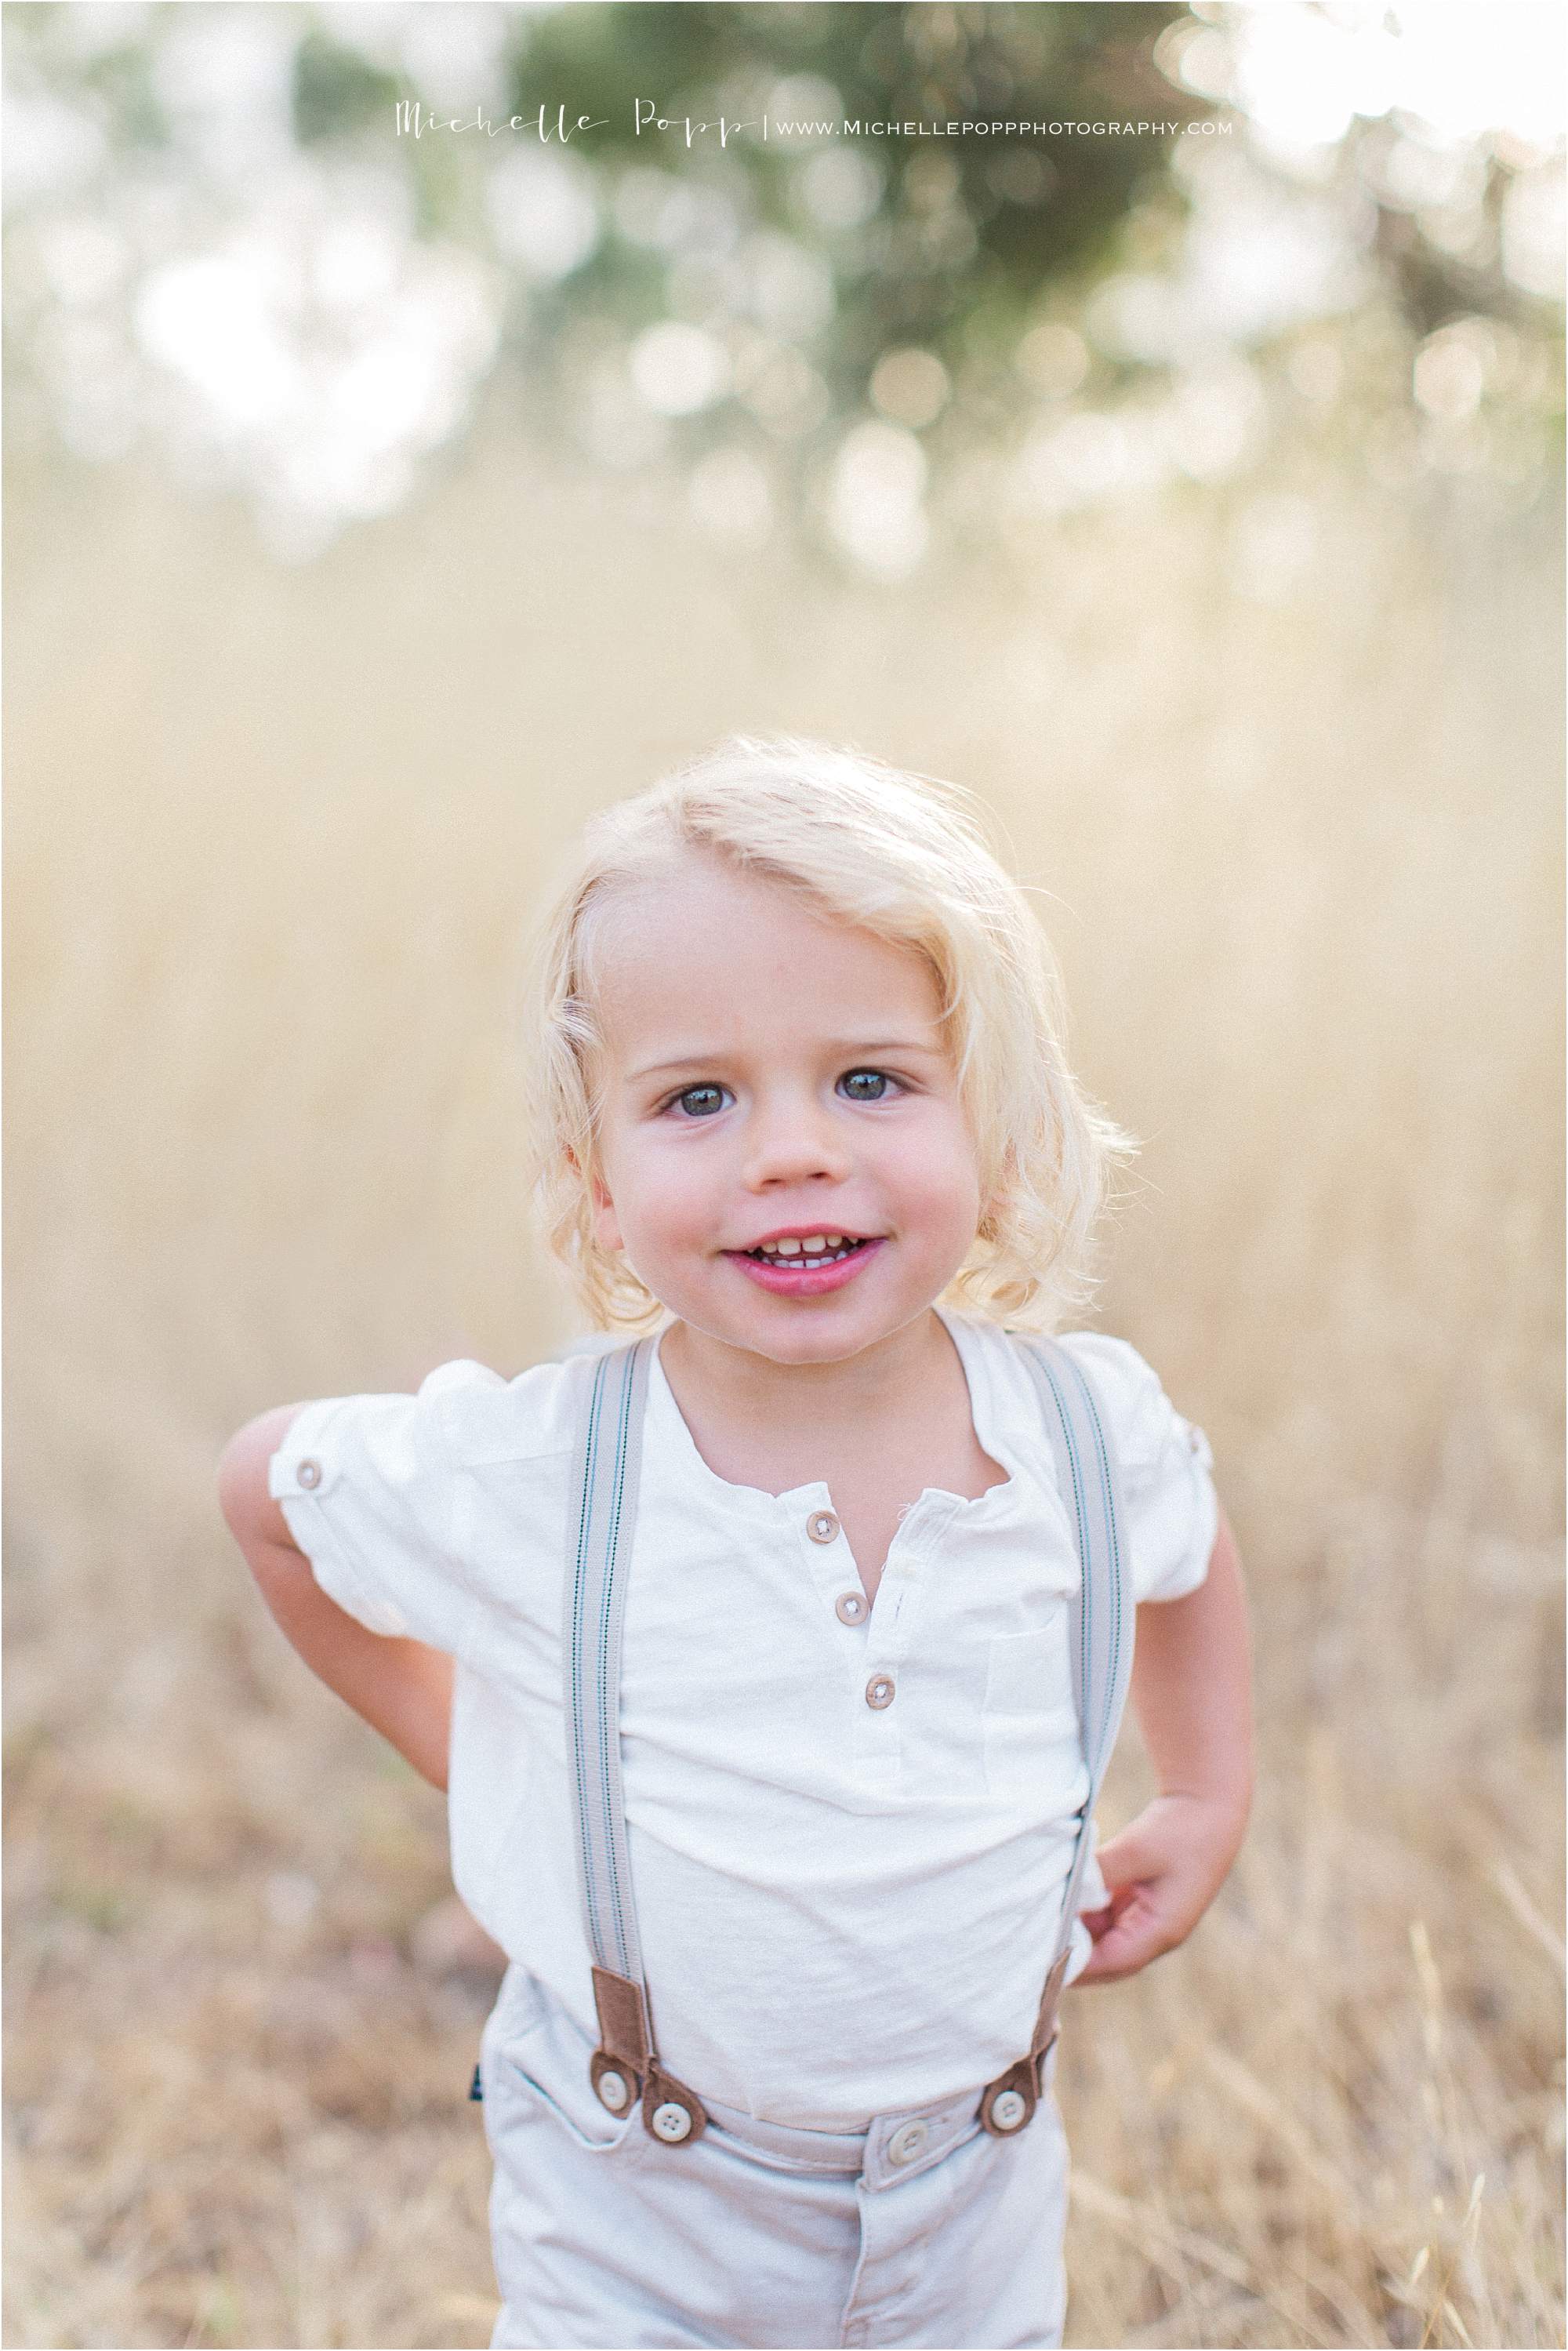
x=1032, y=1744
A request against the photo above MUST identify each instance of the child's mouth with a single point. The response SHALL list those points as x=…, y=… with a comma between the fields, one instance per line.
x=806, y=1267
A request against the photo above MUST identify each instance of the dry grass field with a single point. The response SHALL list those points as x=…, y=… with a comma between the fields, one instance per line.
x=273, y=837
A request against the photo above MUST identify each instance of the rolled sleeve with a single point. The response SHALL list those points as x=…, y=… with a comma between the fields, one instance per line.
x=1166, y=1469
x=367, y=1495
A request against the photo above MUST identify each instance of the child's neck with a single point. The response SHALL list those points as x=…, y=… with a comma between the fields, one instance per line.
x=876, y=1429
x=801, y=1399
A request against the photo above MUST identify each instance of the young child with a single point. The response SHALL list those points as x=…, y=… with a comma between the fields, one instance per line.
x=776, y=1681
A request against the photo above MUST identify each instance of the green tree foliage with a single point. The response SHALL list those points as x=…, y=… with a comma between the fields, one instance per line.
x=719, y=264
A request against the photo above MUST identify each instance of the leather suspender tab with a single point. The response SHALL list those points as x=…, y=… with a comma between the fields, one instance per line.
x=624, y=2065
x=1007, y=2103
x=671, y=2112
x=623, y=2019
x=618, y=2065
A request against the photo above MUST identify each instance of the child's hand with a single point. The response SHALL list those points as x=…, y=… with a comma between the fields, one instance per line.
x=1162, y=1872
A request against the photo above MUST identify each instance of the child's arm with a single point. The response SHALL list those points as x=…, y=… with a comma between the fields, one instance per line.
x=401, y=1687
x=1192, y=1691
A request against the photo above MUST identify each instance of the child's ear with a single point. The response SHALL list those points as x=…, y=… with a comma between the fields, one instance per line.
x=606, y=1224
x=601, y=1216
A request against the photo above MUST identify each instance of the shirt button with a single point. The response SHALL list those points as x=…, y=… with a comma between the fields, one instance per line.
x=849, y=1608
x=907, y=2142
x=822, y=1526
x=878, y=1694
x=309, y=1474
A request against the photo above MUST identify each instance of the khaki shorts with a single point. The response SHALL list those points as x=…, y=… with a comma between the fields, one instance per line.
x=923, y=2230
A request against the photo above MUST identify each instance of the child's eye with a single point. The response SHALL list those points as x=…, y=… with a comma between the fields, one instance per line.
x=865, y=1085
x=701, y=1101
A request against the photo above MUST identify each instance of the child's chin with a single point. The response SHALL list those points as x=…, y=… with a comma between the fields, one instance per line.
x=827, y=1330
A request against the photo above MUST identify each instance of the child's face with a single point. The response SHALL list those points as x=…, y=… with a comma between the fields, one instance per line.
x=772, y=1077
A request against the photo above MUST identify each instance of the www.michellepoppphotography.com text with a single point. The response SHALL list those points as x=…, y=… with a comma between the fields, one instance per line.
x=416, y=120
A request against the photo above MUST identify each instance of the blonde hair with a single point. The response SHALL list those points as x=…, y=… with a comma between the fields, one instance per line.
x=902, y=857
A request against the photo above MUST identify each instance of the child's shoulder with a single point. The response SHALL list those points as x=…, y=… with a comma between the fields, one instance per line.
x=1114, y=1365
x=472, y=1416
x=1111, y=1363
x=1129, y=1389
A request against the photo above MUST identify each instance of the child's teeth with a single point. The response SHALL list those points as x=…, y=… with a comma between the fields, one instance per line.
x=829, y=1245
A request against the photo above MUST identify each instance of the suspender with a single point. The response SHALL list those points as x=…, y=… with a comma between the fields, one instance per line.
x=625, y=2065
x=608, y=1461
x=1101, y=1625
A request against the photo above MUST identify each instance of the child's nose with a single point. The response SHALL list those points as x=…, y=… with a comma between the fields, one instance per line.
x=792, y=1144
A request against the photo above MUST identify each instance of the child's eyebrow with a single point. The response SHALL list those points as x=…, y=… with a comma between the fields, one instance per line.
x=663, y=1069
x=848, y=1048
x=852, y=1047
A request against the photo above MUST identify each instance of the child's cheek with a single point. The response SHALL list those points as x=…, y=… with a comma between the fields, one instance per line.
x=945, y=1186
x=675, y=1211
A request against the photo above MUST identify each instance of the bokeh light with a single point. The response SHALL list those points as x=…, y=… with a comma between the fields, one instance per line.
x=220, y=252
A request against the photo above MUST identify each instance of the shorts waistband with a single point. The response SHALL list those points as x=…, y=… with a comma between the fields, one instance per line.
x=891, y=2147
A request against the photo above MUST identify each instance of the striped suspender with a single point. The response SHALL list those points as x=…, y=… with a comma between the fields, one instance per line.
x=607, y=1458
x=605, y=1474
x=1100, y=1625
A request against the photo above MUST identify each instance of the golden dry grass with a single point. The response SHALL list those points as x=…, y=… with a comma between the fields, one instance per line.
x=272, y=838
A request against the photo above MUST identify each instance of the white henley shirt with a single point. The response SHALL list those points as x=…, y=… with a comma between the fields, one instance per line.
x=845, y=1910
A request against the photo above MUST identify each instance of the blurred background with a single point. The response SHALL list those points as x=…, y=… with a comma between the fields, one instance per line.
x=386, y=493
